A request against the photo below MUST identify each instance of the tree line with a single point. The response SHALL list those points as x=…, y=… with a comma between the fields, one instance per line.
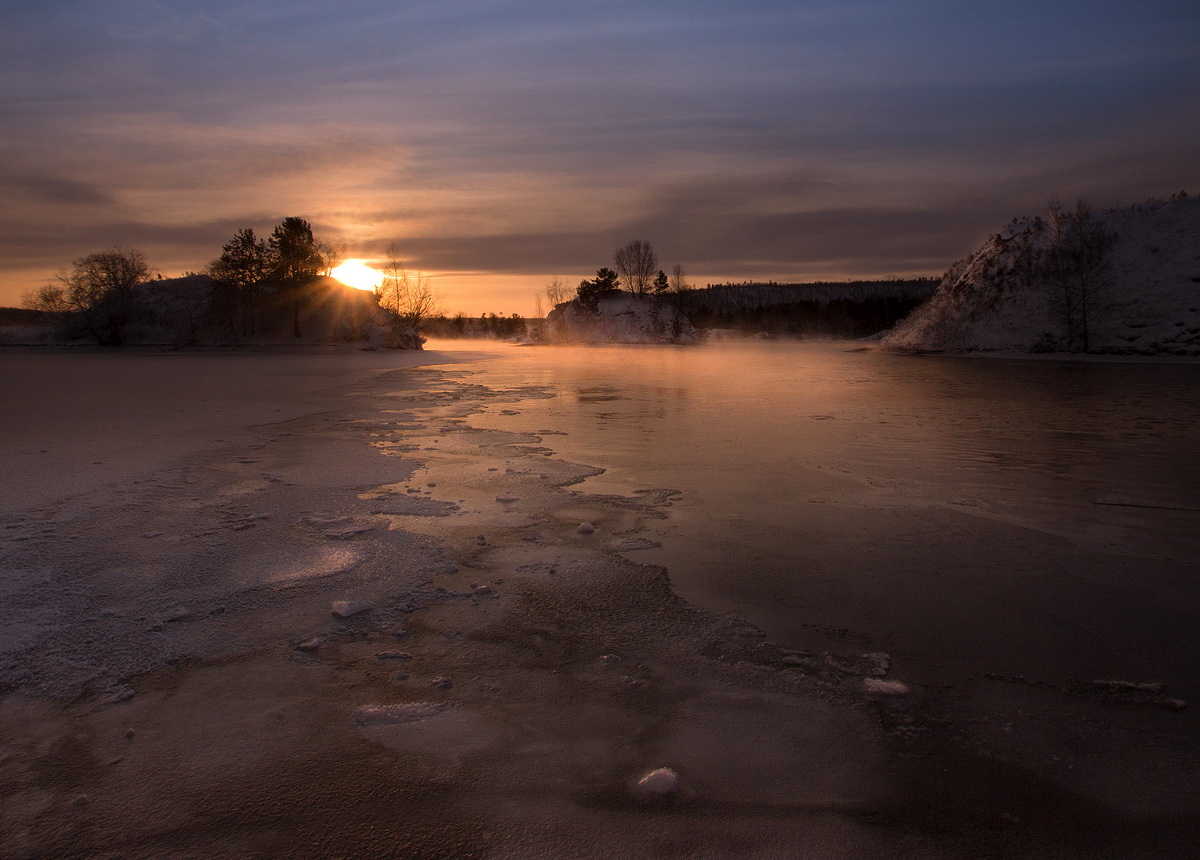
x=251, y=276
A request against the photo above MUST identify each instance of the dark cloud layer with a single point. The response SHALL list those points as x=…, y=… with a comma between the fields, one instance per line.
x=745, y=139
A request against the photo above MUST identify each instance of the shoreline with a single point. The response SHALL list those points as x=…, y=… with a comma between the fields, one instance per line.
x=237, y=717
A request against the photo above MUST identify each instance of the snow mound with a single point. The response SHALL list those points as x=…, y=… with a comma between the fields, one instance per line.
x=1008, y=295
x=618, y=318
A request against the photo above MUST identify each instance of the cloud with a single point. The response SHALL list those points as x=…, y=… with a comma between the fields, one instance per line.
x=22, y=192
x=534, y=136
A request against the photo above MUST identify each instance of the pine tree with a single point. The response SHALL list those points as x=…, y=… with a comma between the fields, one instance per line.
x=297, y=261
x=590, y=292
x=245, y=263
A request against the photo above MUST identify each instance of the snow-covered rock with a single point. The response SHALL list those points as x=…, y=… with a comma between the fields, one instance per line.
x=618, y=318
x=1004, y=296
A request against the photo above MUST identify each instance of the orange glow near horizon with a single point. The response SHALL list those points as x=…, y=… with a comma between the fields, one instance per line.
x=357, y=274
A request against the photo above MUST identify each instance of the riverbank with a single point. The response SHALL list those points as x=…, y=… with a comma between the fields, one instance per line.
x=370, y=628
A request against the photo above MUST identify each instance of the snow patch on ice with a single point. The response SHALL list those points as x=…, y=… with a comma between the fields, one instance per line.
x=390, y=715
x=326, y=561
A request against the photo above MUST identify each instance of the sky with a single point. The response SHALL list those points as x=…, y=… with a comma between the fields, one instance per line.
x=498, y=143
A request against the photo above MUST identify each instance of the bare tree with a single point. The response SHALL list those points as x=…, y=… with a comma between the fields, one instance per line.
x=1077, y=262
x=50, y=298
x=539, y=310
x=637, y=263
x=100, y=289
x=410, y=296
x=332, y=254
x=557, y=292
x=679, y=279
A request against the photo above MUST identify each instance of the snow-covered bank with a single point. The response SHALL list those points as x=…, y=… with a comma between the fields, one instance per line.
x=1142, y=296
x=618, y=318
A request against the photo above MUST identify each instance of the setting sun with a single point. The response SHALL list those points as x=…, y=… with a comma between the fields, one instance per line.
x=357, y=274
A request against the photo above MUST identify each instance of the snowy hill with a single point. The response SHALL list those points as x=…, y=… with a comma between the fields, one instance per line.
x=618, y=318
x=1133, y=287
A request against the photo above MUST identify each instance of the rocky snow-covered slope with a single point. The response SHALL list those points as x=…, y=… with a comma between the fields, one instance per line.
x=1005, y=297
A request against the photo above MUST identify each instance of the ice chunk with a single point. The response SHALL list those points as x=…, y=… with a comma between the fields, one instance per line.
x=346, y=608
x=885, y=688
x=662, y=782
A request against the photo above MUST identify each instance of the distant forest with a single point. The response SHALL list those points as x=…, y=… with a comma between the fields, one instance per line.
x=497, y=326
x=834, y=309
x=817, y=309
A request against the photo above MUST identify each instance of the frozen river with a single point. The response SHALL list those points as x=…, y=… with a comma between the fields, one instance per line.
x=967, y=515
x=184, y=533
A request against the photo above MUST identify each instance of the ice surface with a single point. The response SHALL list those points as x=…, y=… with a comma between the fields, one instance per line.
x=257, y=744
x=348, y=608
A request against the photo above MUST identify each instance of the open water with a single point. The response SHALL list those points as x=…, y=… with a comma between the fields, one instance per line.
x=967, y=515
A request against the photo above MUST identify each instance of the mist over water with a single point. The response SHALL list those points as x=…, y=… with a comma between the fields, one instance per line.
x=966, y=515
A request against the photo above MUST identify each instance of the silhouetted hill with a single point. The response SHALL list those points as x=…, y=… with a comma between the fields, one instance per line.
x=188, y=311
